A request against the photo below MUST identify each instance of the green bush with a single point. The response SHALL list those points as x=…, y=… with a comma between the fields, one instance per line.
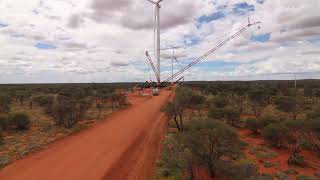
x=5, y=101
x=19, y=121
x=276, y=134
x=215, y=113
x=282, y=176
x=219, y=101
x=3, y=122
x=1, y=137
x=267, y=120
x=67, y=112
x=254, y=125
x=291, y=172
x=209, y=141
x=296, y=159
x=245, y=170
x=264, y=177
x=305, y=177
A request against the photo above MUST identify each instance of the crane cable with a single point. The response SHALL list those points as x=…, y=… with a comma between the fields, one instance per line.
x=211, y=51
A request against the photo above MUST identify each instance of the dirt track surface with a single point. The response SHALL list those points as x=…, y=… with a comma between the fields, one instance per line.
x=123, y=146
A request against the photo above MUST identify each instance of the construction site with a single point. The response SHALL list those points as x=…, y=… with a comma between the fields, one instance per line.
x=174, y=122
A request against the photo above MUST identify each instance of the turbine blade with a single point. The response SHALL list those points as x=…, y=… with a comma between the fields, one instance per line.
x=159, y=1
x=152, y=1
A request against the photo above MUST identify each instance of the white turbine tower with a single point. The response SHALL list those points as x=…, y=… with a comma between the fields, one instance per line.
x=157, y=29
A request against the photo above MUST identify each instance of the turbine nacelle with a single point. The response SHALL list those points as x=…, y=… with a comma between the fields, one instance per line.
x=157, y=3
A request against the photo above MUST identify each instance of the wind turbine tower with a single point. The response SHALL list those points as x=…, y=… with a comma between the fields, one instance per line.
x=157, y=34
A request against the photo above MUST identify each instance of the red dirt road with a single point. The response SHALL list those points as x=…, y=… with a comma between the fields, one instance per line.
x=124, y=146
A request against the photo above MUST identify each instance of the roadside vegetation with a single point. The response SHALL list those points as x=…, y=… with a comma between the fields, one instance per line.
x=242, y=130
x=33, y=116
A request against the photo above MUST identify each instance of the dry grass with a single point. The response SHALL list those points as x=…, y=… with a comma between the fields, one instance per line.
x=43, y=132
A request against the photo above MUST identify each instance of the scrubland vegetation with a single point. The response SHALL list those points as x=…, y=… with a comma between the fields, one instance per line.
x=32, y=116
x=243, y=130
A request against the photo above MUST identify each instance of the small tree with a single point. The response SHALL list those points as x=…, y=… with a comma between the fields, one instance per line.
x=308, y=92
x=296, y=136
x=5, y=102
x=19, y=121
x=254, y=125
x=182, y=102
x=197, y=101
x=229, y=114
x=67, y=111
x=232, y=115
x=289, y=105
x=209, y=141
x=215, y=113
x=276, y=134
x=172, y=112
x=239, y=97
x=177, y=157
x=259, y=101
x=312, y=127
x=219, y=102
x=3, y=122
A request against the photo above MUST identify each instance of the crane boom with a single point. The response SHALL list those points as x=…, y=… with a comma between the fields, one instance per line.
x=153, y=67
x=211, y=51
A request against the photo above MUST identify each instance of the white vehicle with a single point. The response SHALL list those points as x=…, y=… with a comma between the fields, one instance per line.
x=155, y=91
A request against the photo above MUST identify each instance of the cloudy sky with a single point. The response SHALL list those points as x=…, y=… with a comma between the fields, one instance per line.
x=105, y=40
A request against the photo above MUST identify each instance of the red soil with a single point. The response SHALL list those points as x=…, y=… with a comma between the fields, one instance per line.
x=124, y=146
x=311, y=159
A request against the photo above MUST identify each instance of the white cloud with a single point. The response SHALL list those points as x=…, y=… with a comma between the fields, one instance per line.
x=106, y=40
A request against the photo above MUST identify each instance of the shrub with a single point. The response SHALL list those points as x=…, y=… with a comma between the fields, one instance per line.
x=5, y=102
x=176, y=158
x=262, y=152
x=267, y=120
x=1, y=137
x=277, y=134
x=282, y=176
x=209, y=141
x=45, y=101
x=254, y=125
x=240, y=170
x=245, y=170
x=215, y=113
x=219, y=102
x=259, y=101
x=268, y=164
x=232, y=115
x=19, y=121
x=264, y=177
x=3, y=122
x=288, y=104
x=305, y=177
x=67, y=111
x=291, y=171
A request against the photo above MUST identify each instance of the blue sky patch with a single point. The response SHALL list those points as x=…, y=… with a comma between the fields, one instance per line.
x=218, y=66
x=45, y=46
x=3, y=25
x=35, y=11
x=17, y=35
x=212, y=17
x=261, y=38
x=242, y=8
x=261, y=1
x=191, y=40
